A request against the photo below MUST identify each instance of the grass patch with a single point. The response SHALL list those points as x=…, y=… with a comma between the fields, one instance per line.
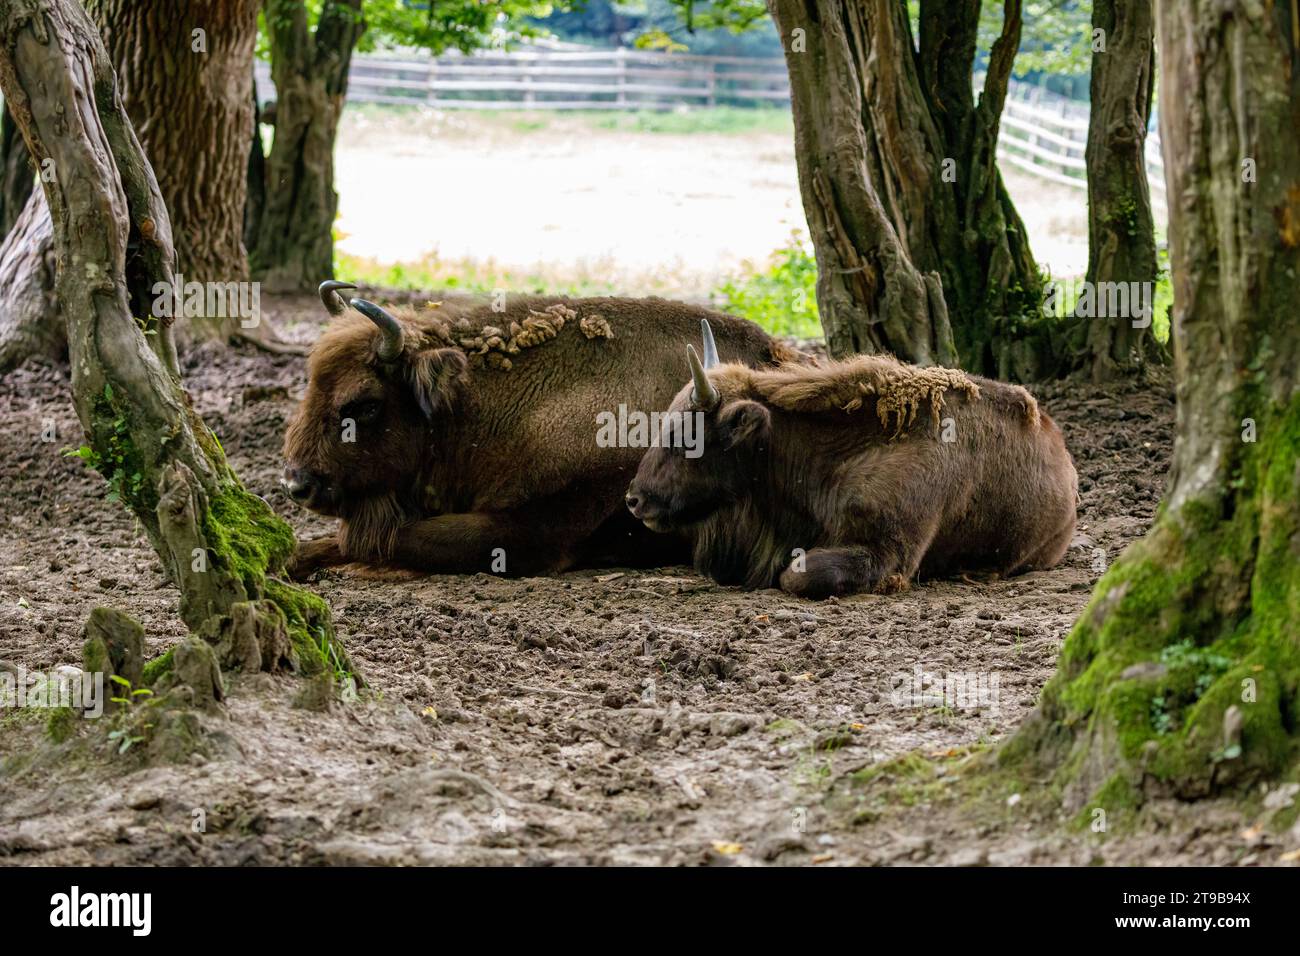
x=781, y=295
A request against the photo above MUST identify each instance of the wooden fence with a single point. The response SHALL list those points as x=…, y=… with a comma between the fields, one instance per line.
x=1042, y=133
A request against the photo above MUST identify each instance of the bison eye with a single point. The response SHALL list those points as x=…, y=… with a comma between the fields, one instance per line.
x=363, y=411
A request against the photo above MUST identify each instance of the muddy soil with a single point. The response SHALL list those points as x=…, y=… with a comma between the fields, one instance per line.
x=598, y=717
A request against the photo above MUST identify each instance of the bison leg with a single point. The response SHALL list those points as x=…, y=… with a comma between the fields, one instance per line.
x=824, y=572
x=312, y=556
x=544, y=537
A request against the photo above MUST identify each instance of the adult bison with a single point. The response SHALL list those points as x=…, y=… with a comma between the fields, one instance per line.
x=462, y=437
x=860, y=475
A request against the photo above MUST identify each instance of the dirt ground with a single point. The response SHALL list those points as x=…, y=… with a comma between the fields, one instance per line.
x=599, y=717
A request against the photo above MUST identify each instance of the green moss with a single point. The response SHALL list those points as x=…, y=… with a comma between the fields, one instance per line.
x=311, y=631
x=1209, y=604
x=157, y=668
x=61, y=724
x=246, y=537
x=113, y=454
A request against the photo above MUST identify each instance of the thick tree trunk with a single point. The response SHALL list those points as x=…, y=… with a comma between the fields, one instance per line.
x=870, y=296
x=1121, y=231
x=256, y=179
x=16, y=174
x=185, y=71
x=899, y=180
x=219, y=543
x=1183, y=676
x=295, y=244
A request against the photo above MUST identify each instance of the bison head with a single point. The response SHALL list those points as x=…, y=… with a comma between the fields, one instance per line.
x=673, y=489
x=361, y=434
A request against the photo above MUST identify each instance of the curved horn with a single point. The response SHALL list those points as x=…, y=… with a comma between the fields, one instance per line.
x=329, y=294
x=391, y=346
x=710, y=347
x=703, y=394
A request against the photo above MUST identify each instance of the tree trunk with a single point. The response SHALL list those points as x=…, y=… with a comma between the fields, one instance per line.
x=220, y=544
x=1121, y=231
x=185, y=72
x=256, y=178
x=30, y=323
x=16, y=174
x=870, y=296
x=899, y=181
x=1183, y=675
x=295, y=244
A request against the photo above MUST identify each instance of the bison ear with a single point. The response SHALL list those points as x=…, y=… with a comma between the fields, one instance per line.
x=746, y=423
x=436, y=375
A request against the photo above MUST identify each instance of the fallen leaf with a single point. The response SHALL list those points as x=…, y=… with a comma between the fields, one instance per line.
x=806, y=675
x=606, y=578
x=823, y=858
x=726, y=849
x=1291, y=857
x=430, y=712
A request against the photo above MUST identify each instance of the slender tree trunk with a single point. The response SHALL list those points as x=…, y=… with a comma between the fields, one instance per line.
x=220, y=544
x=1121, y=231
x=1183, y=675
x=256, y=179
x=295, y=244
x=901, y=186
x=16, y=173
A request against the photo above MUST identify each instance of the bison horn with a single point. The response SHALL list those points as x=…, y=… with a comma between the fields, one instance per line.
x=391, y=346
x=703, y=394
x=710, y=347
x=329, y=294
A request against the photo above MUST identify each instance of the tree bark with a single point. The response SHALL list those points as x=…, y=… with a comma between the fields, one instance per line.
x=221, y=545
x=295, y=244
x=899, y=180
x=30, y=324
x=1121, y=231
x=185, y=71
x=1183, y=676
x=16, y=174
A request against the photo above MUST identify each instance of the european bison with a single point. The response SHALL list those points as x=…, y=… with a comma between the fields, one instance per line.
x=460, y=438
x=860, y=475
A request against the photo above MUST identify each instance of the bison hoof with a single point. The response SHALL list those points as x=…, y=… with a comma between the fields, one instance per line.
x=817, y=580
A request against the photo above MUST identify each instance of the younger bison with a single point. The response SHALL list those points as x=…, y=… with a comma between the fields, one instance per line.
x=860, y=475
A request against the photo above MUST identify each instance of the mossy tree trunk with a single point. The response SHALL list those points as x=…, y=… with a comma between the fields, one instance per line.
x=220, y=544
x=1121, y=231
x=920, y=250
x=294, y=250
x=1183, y=675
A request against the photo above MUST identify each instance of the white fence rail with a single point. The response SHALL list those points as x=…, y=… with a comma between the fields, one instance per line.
x=567, y=80
x=1046, y=135
x=1043, y=134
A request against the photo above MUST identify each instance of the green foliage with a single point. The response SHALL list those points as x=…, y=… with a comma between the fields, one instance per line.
x=118, y=462
x=782, y=298
x=1056, y=36
x=465, y=25
x=720, y=119
x=130, y=724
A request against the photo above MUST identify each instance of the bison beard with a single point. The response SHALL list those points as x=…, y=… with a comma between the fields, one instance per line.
x=369, y=529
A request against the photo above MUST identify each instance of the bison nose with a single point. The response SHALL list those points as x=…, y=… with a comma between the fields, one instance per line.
x=300, y=485
x=633, y=504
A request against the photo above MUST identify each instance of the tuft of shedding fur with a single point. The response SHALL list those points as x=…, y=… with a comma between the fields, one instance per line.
x=596, y=326
x=898, y=391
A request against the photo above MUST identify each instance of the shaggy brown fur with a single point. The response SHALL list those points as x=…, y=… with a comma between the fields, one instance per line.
x=478, y=445
x=861, y=475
